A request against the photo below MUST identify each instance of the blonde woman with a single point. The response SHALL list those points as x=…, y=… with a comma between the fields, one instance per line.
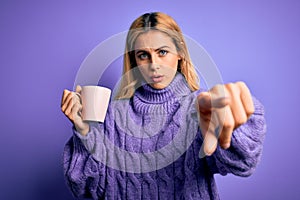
x=148, y=146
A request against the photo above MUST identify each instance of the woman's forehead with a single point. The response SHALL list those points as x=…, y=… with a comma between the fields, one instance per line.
x=153, y=40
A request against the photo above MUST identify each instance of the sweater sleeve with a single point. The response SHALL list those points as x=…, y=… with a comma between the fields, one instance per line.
x=245, y=150
x=83, y=174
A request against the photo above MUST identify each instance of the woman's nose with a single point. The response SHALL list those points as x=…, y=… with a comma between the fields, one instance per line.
x=154, y=62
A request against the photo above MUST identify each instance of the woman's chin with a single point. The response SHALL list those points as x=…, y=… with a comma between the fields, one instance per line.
x=159, y=85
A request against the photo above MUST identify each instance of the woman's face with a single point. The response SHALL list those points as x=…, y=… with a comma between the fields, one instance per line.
x=157, y=58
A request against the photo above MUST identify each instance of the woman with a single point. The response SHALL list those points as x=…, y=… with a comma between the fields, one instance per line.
x=148, y=147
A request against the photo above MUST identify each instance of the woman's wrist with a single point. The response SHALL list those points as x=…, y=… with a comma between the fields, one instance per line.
x=84, y=130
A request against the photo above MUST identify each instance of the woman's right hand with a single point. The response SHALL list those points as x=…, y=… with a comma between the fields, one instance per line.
x=71, y=106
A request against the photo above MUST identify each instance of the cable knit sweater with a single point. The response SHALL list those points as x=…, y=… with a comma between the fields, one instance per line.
x=148, y=148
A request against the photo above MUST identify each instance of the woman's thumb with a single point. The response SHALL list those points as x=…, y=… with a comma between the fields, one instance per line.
x=78, y=89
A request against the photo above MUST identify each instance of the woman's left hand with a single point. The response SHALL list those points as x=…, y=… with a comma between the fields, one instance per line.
x=221, y=110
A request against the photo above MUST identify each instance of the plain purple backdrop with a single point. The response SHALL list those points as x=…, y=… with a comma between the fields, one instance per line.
x=44, y=42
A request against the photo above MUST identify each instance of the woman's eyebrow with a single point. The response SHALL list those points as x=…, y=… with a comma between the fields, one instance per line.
x=147, y=49
x=141, y=51
x=162, y=47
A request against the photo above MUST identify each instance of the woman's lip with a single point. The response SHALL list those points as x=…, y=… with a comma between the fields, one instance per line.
x=157, y=78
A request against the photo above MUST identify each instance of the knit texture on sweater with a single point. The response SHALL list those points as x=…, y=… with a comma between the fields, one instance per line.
x=148, y=148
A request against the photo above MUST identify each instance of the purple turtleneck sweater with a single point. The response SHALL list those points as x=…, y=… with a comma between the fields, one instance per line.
x=148, y=148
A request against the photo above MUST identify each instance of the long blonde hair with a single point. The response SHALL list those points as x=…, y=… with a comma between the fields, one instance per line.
x=166, y=24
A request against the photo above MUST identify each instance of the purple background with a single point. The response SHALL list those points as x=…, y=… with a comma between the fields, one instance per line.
x=44, y=42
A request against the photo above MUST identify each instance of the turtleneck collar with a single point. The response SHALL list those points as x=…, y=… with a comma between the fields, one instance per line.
x=177, y=88
x=146, y=95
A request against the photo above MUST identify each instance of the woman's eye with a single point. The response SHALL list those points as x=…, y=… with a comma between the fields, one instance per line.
x=143, y=56
x=163, y=52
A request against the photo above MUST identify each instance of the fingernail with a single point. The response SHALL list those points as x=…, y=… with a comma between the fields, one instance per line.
x=210, y=144
x=225, y=145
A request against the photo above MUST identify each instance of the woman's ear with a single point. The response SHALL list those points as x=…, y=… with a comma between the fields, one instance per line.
x=180, y=55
